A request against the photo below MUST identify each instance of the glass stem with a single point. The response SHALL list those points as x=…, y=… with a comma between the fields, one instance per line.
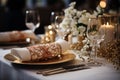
x=33, y=30
x=95, y=51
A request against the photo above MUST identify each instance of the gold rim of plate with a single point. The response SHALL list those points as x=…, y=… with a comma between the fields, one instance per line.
x=64, y=58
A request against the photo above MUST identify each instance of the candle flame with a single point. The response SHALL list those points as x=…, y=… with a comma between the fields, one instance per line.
x=107, y=23
x=109, y=26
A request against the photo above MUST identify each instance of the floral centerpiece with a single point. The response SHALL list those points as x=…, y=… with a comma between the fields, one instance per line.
x=76, y=21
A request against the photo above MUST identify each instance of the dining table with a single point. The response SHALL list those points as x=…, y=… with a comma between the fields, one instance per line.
x=12, y=71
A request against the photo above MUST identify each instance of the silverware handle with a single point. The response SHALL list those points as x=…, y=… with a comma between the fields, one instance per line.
x=53, y=72
x=48, y=71
x=64, y=70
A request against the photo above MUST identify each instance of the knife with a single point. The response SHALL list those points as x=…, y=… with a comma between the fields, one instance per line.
x=64, y=70
x=61, y=68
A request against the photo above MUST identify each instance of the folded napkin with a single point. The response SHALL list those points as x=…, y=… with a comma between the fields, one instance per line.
x=41, y=51
x=16, y=35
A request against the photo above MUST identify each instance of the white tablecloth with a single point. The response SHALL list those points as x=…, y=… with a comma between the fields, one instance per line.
x=10, y=71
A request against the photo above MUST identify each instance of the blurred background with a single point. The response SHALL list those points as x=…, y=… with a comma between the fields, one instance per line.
x=12, y=12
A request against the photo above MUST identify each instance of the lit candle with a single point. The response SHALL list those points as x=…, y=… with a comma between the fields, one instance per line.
x=47, y=39
x=108, y=30
x=109, y=34
x=46, y=33
x=70, y=38
x=52, y=35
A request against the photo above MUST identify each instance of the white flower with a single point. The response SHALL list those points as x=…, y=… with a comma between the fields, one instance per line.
x=84, y=41
x=98, y=9
x=77, y=22
x=72, y=4
x=95, y=13
x=83, y=20
x=81, y=30
x=73, y=18
x=79, y=13
x=84, y=11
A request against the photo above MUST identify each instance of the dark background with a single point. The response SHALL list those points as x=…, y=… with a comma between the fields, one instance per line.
x=12, y=12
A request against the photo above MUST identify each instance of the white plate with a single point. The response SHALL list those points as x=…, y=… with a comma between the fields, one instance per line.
x=64, y=58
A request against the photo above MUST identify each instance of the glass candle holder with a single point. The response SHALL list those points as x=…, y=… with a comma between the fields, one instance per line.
x=110, y=23
x=50, y=32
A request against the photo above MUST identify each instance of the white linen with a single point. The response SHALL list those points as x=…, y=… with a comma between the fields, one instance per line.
x=64, y=44
x=22, y=53
x=20, y=72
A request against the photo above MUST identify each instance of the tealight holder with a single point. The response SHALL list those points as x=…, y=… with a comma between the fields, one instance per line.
x=110, y=24
x=50, y=33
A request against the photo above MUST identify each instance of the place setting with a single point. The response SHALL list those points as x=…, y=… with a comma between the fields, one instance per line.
x=22, y=38
x=59, y=40
x=63, y=43
x=52, y=59
x=62, y=59
x=12, y=39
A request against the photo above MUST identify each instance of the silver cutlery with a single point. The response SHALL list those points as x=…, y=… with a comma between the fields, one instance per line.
x=63, y=69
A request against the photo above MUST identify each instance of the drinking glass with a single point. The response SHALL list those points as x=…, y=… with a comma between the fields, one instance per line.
x=58, y=19
x=32, y=19
x=95, y=34
x=54, y=14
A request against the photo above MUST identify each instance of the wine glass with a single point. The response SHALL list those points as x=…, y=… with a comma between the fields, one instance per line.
x=54, y=14
x=58, y=19
x=32, y=19
x=95, y=34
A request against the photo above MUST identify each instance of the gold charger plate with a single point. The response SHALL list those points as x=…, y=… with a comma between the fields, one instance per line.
x=62, y=59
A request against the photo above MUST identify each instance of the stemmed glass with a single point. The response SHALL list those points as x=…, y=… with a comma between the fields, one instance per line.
x=95, y=34
x=32, y=19
x=58, y=19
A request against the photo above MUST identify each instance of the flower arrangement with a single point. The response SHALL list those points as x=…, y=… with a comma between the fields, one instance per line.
x=76, y=20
